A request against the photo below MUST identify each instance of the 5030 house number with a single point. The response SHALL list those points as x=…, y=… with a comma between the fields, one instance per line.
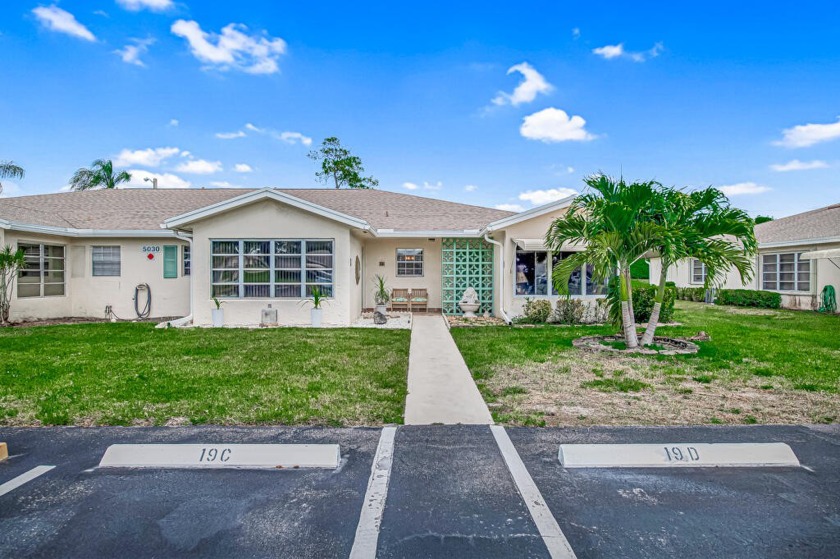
x=213, y=454
x=681, y=454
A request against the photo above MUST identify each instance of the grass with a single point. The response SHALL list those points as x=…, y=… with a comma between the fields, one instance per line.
x=130, y=374
x=798, y=352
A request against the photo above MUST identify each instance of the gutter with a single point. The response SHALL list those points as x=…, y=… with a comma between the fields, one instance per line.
x=186, y=320
x=501, y=277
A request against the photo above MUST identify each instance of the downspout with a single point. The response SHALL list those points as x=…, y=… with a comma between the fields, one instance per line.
x=501, y=277
x=186, y=320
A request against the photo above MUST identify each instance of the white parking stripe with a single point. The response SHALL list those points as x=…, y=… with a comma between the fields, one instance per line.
x=24, y=478
x=557, y=544
x=370, y=520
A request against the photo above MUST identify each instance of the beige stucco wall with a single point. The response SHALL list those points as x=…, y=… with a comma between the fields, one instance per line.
x=385, y=251
x=269, y=219
x=87, y=296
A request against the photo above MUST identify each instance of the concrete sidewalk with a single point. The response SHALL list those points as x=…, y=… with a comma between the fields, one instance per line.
x=440, y=387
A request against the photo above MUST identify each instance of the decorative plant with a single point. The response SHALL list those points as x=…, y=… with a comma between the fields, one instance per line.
x=218, y=303
x=381, y=295
x=10, y=264
x=317, y=298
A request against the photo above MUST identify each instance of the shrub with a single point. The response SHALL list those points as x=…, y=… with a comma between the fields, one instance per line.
x=537, y=310
x=640, y=269
x=696, y=294
x=569, y=311
x=749, y=298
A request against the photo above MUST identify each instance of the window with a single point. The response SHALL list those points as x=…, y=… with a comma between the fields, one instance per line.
x=43, y=273
x=533, y=275
x=409, y=262
x=170, y=261
x=698, y=271
x=106, y=261
x=185, y=259
x=287, y=269
x=785, y=272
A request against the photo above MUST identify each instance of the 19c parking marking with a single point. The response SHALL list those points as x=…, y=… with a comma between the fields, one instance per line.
x=213, y=454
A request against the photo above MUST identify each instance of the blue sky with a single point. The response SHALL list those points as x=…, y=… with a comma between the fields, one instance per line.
x=506, y=106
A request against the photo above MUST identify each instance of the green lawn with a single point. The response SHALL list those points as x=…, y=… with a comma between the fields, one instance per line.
x=764, y=366
x=124, y=374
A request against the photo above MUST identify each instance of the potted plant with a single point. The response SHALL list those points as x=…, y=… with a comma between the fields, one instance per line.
x=381, y=298
x=218, y=313
x=316, y=312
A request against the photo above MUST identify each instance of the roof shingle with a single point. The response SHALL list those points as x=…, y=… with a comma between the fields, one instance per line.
x=817, y=224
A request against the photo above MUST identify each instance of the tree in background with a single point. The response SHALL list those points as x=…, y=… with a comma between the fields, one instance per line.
x=762, y=219
x=340, y=166
x=702, y=225
x=10, y=264
x=101, y=174
x=8, y=170
x=609, y=221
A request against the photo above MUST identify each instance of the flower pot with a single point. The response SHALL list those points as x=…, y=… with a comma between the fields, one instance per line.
x=218, y=317
x=316, y=315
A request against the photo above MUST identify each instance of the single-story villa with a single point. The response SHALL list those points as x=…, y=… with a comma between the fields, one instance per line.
x=87, y=253
x=797, y=257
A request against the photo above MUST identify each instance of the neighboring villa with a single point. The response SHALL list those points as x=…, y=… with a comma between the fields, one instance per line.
x=779, y=264
x=249, y=248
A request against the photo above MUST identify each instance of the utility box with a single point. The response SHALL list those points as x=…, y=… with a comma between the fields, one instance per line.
x=268, y=317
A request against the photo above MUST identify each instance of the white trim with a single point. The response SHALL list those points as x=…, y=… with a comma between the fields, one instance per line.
x=390, y=233
x=256, y=196
x=530, y=214
x=94, y=233
x=819, y=254
x=799, y=242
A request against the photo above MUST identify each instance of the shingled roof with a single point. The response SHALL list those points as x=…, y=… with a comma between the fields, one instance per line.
x=822, y=223
x=145, y=209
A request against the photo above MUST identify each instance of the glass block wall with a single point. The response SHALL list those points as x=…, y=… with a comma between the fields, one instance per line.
x=466, y=263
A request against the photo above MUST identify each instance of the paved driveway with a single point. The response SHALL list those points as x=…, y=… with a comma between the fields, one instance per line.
x=451, y=495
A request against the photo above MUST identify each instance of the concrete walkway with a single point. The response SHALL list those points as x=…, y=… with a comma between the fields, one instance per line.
x=440, y=387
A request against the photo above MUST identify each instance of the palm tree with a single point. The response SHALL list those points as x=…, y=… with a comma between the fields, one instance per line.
x=100, y=175
x=610, y=222
x=700, y=225
x=8, y=170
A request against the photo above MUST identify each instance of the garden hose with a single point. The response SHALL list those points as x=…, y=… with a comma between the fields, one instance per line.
x=828, y=299
x=147, y=308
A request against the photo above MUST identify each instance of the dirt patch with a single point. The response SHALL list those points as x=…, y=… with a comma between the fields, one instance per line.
x=612, y=389
x=750, y=311
x=660, y=346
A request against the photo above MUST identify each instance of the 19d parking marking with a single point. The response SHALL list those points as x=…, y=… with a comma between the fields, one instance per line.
x=682, y=454
x=213, y=455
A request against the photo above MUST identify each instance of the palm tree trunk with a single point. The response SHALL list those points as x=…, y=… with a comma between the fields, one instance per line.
x=631, y=338
x=650, y=331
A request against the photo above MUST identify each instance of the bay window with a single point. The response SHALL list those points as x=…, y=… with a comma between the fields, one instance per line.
x=286, y=269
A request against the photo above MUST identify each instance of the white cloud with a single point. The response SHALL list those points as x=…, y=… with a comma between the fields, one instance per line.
x=9, y=189
x=744, y=188
x=532, y=85
x=410, y=186
x=253, y=128
x=200, y=167
x=224, y=184
x=797, y=165
x=430, y=186
x=165, y=180
x=149, y=157
x=295, y=138
x=609, y=52
x=554, y=125
x=230, y=135
x=174, y=123
x=242, y=168
x=576, y=33
x=233, y=48
x=131, y=53
x=540, y=197
x=471, y=188
x=510, y=207
x=153, y=5
x=56, y=19
x=805, y=135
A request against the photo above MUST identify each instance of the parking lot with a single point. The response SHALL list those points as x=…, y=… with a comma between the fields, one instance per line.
x=451, y=494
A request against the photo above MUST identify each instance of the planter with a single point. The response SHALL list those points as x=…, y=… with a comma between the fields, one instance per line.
x=218, y=317
x=380, y=314
x=316, y=315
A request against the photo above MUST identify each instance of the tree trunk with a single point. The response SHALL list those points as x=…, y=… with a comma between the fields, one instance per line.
x=650, y=331
x=631, y=338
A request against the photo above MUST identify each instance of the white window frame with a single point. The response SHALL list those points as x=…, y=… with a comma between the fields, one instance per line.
x=694, y=263
x=93, y=261
x=550, y=279
x=186, y=260
x=42, y=269
x=305, y=285
x=777, y=256
x=417, y=262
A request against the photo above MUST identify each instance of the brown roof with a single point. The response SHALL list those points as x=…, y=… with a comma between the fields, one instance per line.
x=816, y=224
x=146, y=209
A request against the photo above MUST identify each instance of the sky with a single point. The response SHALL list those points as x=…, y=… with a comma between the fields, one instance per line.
x=501, y=105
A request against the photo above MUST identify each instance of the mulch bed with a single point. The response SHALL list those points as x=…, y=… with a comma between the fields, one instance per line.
x=671, y=346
